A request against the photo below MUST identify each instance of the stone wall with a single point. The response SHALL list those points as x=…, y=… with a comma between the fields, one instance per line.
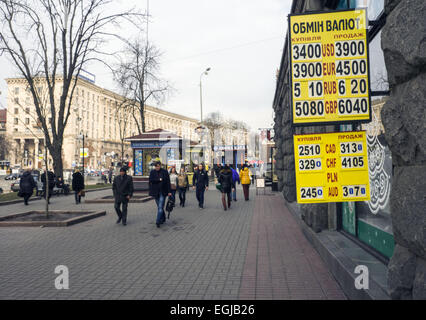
x=315, y=215
x=404, y=120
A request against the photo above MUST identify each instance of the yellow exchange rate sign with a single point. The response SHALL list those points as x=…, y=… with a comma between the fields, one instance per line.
x=331, y=167
x=329, y=67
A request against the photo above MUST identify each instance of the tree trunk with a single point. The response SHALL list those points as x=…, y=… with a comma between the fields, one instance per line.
x=56, y=153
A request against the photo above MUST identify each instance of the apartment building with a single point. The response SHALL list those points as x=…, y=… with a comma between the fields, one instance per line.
x=94, y=113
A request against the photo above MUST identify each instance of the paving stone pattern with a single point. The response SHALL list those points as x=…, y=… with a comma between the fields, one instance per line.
x=197, y=254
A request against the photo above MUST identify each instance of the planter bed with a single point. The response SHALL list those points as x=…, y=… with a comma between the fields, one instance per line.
x=139, y=198
x=57, y=218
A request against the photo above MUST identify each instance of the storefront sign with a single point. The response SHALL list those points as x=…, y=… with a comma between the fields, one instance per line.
x=329, y=67
x=84, y=152
x=154, y=144
x=229, y=147
x=331, y=167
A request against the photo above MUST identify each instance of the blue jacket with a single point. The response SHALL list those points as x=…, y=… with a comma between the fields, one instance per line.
x=235, y=176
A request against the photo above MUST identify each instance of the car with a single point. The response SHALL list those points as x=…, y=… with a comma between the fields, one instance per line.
x=15, y=185
x=12, y=176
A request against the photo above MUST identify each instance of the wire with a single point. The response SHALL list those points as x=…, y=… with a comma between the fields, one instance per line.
x=225, y=49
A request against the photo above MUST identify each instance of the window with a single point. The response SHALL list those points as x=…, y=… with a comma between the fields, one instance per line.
x=16, y=100
x=27, y=121
x=16, y=111
x=375, y=7
x=27, y=110
x=16, y=121
x=378, y=72
x=16, y=90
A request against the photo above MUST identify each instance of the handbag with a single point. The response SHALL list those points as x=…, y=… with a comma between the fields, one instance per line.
x=20, y=194
x=82, y=193
x=169, y=206
x=219, y=187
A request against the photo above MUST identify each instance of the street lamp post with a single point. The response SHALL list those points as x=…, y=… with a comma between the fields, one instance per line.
x=201, y=91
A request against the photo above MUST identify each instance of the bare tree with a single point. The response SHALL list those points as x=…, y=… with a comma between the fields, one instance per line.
x=4, y=146
x=49, y=42
x=138, y=78
x=122, y=116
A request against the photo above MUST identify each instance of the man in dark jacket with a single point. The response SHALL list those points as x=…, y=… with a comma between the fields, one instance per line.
x=217, y=170
x=77, y=185
x=200, y=183
x=159, y=188
x=122, y=187
x=51, y=183
x=225, y=179
x=27, y=185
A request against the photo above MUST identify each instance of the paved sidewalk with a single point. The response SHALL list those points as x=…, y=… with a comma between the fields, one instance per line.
x=198, y=254
x=280, y=262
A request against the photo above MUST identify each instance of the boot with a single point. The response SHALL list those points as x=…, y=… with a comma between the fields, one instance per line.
x=224, y=203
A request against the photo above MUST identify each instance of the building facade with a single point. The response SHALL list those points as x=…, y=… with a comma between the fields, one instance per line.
x=94, y=113
x=388, y=226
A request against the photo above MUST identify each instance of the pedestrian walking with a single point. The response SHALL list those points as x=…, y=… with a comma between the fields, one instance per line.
x=183, y=185
x=27, y=185
x=122, y=188
x=217, y=169
x=253, y=173
x=159, y=188
x=245, y=180
x=225, y=180
x=77, y=185
x=110, y=172
x=173, y=183
x=235, y=179
x=200, y=183
x=50, y=184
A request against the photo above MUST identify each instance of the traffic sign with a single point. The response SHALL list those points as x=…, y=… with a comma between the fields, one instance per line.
x=331, y=167
x=329, y=67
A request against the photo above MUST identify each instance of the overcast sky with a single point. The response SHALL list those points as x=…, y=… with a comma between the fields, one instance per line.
x=240, y=40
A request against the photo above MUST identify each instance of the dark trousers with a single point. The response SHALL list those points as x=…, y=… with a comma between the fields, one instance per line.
x=246, y=191
x=199, y=193
x=224, y=196
x=123, y=202
x=50, y=193
x=182, y=195
x=27, y=196
x=77, y=197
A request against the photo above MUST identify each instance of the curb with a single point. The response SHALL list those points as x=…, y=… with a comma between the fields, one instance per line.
x=5, y=203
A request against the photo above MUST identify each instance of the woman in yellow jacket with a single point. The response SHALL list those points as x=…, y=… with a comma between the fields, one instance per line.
x=245, y=180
